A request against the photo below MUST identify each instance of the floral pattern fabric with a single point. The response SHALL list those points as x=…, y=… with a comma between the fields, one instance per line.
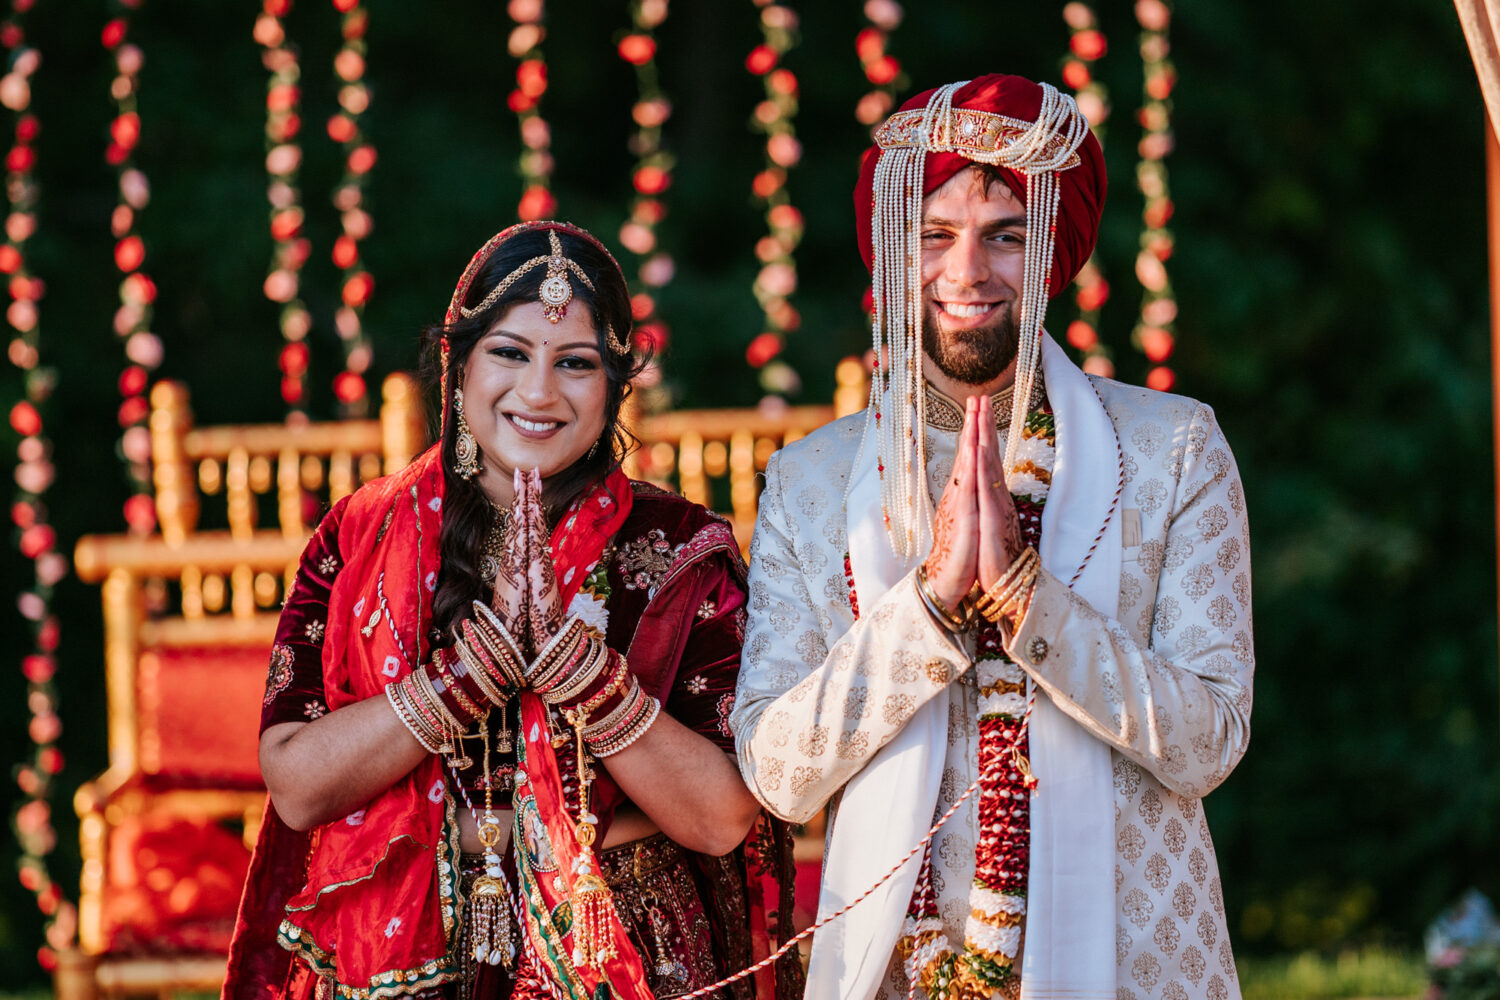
x=1167, y=686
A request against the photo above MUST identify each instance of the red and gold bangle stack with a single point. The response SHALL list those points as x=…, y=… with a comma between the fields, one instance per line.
x=423, y=711
x=1009, y=598
x=632, y=715
x=586, y=680
x=491, y=653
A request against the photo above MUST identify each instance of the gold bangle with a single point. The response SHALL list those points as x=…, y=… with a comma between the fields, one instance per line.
x=616, y=681
x=953, y=621
x=475, y=670
x=1004, y=605
x=551, y=660
x=393, y=695
x=449, y=676
x=500, y=644
x=991, y=601
x=590, y=666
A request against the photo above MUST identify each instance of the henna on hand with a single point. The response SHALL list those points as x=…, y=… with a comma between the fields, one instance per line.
x=512, y=595
x=1000, y=539
x=951, y=566
x=546, y=600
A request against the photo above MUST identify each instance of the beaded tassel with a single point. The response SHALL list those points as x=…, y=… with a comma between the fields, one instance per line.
x=593, y=905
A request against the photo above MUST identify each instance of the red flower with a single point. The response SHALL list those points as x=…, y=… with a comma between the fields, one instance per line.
x=341, y=128
x=651, y=180
x=1075, y=74
x=10, y=259
x=361, y=160
x=882, y=71
x=140, y=513
x=27, y=128
x=650, y=336
x=1161, y=379
x=637, y=49
x=761, y=60
x=519, y=102
x=357, y=291
x=294, y=359
x=1156, y=344
x=130, y=253
x=348, y=387
x=762, y=349
x=531, y=78
x=25, y=420
x=286, y=224
x=1088, y=45
x=536, y=203
x=1081, y=335
x=37, y=540
x=133, y=381
x=345, y=6
x=133, y=411
x=113, y=33
x=345, y=251
x=869, y=44
x=20, y=159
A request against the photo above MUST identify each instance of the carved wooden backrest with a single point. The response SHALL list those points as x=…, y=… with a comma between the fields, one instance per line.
x=713, y=457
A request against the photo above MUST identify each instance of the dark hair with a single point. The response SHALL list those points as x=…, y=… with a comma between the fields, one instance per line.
x=466, y=510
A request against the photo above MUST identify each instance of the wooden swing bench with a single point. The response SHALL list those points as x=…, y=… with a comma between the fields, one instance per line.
x=189, y=617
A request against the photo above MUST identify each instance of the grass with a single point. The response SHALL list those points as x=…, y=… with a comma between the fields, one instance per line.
x=1370, y=973
x=1352, y=975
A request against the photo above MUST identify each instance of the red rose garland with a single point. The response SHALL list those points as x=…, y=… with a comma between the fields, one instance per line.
x=777, y=278
x=881, y=69
x=359, y=157
x=1086, y=46
x=35, y=537
x=525, y=44
x=290, y=248
x=1155, y=331
x=652, y=174
x=137, y=291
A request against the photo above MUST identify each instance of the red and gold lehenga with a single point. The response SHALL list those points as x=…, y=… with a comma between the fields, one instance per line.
x=371, y=905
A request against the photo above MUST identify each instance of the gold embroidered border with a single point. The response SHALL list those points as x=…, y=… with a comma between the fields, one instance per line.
x=980, y=131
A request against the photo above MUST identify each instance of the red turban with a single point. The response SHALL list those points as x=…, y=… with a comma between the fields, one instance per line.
x=1082, y=187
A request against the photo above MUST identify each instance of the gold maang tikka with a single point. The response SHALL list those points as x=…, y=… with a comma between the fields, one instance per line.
x=556, y=290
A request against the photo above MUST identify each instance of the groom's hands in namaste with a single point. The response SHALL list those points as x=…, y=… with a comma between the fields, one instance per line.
x=976, y=533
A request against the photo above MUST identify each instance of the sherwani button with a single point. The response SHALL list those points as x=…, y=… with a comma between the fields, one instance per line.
x=1036, y=649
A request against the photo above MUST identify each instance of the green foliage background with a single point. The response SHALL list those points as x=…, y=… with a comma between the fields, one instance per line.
x=1330, y=267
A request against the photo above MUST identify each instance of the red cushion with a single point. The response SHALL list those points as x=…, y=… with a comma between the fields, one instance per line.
x=199, y=714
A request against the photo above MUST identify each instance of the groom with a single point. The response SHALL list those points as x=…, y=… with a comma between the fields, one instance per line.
x=1053, y=660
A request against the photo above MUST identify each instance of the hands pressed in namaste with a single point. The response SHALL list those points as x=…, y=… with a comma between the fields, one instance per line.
x=526, y=594
x=976, y=532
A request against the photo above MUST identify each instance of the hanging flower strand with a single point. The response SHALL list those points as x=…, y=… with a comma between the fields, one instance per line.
x=359, y=157
x=36, y=539
x=1086, y=46
x=525, y=44
x=290, y=248
x=1155, y=331
x=881, y=69
x=651, y=176
x=777, y=279
x=137, y=291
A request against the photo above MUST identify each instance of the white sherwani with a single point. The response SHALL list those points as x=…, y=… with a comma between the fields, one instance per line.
x=1167, y=686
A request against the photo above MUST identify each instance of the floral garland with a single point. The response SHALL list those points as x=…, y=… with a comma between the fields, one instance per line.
x=1086, y=46
x=650, y=178
x=36, y=538
x=997, y=898
x=880, y=68
x=290, y=248
x=359, y=158
x=1154, y=332
x=137, y=292
x=777, y=278
x=525, y=44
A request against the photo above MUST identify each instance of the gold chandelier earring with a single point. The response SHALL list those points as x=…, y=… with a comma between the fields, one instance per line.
x=465, y=448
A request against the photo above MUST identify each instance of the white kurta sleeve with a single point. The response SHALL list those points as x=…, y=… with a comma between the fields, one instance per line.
x=1179, y=704
x=807, y=717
